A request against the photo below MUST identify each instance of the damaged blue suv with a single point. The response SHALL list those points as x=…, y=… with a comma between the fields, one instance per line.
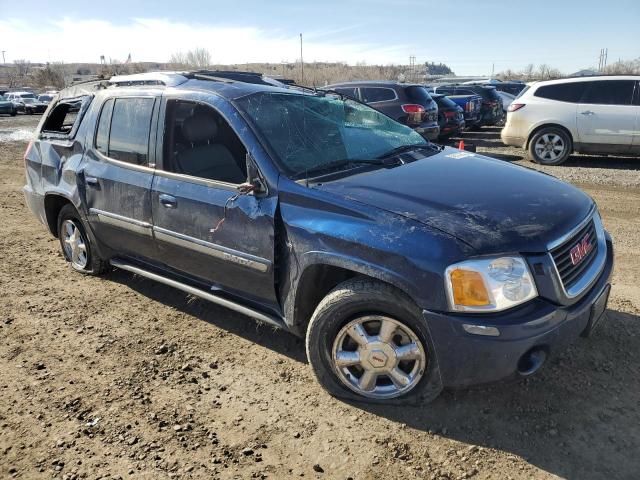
x=408, y=267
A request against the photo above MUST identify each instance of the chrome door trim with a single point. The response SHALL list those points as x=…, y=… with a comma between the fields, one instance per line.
x=120, y=221
x=212, y=249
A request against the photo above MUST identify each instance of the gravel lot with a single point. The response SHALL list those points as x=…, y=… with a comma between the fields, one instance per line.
x=119, y=377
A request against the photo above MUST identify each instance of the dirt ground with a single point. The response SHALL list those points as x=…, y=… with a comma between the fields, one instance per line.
x=119, y=377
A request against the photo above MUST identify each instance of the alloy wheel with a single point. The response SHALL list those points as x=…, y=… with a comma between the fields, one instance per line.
x=549, y=147
x=378, y=357
x=74, y=244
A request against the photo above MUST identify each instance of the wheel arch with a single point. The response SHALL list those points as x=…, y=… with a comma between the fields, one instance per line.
x=53, y=203
x=549, y=125
x=325, y=273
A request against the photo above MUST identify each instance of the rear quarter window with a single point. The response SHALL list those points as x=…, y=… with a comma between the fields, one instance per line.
x=565, y=92
x=65, y=117
x=377, y=94
x=609, y=92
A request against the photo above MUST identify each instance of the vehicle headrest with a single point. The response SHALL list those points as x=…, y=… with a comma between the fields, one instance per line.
x=199, y=127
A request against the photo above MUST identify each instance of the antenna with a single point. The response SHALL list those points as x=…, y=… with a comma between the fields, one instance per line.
x=301, y=62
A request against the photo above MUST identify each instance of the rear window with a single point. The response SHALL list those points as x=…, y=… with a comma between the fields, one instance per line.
x=418, y=95
x=444, y=102
x=348, y=91
x=489, y=94
x=609, y=92
x=564, y=92
x=445, y=90
x=377, y=94
x=130, y=127
x=522, y=91
x=65, y=117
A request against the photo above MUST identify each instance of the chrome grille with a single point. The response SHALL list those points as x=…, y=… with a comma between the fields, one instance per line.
x=569, y=270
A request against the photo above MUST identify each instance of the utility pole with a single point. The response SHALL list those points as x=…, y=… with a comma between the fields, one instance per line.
x=412, y=67
x=3, y=60
x=493, y=69
x=301, y=63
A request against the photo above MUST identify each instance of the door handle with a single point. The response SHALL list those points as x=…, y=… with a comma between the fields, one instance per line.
x=93, y=181
x=168, y=201
x=588, y=112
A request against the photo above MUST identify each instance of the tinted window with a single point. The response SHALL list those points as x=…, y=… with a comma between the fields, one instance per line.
x=130, y=125
x=444, y=102
x=565, y=92
x=463, y=91
x=418, y=95
x=350, y=92
x=609, y=92
x=375, y=94
x=102, y=135
x=445, y=90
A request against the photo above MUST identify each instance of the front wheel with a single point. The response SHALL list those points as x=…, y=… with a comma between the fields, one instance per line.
x=367, y=341
x=76, y=245
x=550, y=146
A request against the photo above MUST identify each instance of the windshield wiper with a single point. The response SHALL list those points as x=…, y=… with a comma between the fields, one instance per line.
x=346, y=162
x=407, y=148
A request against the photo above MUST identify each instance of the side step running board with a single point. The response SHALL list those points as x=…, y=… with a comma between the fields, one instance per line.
x=250, y=312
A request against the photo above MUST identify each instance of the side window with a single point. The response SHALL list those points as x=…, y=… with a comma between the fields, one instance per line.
x=375, y=94
x=609, y=92
x=444, y=90
x=102, y=135
x=350, y=92
x=130, y=126
x=565, y=92
x=62, y=119
x=199, y=142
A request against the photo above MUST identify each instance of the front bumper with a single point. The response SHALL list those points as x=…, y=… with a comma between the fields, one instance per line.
x=467, y=359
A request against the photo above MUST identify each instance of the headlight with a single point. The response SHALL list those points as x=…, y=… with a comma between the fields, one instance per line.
x=489, y=284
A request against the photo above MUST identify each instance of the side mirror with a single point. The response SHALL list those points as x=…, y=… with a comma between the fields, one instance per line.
x=254, y=183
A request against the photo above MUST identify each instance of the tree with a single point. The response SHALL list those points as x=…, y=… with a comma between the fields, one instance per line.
x=197, y=58
x=431, y=68
x=22, y=67
x=52, y=75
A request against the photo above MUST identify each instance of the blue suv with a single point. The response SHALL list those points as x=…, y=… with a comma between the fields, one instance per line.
x=408, y=267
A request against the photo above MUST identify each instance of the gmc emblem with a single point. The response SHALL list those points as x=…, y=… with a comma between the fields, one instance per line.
x=580, y=250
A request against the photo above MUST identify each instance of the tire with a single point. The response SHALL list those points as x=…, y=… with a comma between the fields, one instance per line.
x=77, y=247
x=550, y=146
x=371, y=304
x=14, y=113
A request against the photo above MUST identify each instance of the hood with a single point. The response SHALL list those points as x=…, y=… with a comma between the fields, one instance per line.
x=491, y=205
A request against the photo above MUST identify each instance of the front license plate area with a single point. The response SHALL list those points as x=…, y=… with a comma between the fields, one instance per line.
x=597, y=311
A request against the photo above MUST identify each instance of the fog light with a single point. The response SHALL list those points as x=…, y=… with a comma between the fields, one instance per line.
x=481, y=330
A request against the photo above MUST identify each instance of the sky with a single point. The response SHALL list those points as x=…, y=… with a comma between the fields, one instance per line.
x=472, y=37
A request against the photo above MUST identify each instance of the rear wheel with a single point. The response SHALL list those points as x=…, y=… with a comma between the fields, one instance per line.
x=76, y=245
x=367, y=341
x=550, y=146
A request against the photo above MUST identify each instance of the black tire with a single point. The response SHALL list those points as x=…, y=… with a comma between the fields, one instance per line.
x=94, y=265
x=356, y=298
x=552, y=157
x=14, y=113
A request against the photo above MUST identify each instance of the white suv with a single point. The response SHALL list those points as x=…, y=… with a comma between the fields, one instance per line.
x=598, y=115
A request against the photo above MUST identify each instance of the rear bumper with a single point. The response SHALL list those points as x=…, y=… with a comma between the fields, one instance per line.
x=430, y=132
x=511, y=140
x=466, y=359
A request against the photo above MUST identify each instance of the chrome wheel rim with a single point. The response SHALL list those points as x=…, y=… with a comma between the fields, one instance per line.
x=378, y=357
x=550, y=147
x=75, y=247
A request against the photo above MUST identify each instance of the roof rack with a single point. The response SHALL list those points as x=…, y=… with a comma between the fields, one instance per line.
x=169, y=79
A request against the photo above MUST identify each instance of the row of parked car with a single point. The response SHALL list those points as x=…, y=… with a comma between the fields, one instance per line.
x=12, y=103
x=437, y=112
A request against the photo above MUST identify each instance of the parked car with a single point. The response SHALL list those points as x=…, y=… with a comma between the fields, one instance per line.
x=32, y=105
x=17, y=97
x=595, y=115
x=45, y=98
x=471, y=108
x=491, y=112
x=450, y=116
x=507, y=99
x=409, y=104
x=7, y=107
x=407, y=266
x=512, y=87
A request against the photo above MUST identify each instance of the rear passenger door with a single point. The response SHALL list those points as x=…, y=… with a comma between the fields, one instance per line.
x=606, y=114
x=118, y=172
